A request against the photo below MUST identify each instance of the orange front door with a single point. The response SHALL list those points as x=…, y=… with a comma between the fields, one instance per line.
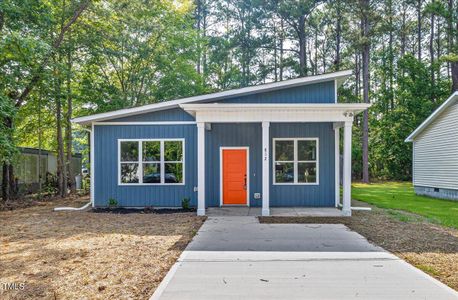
x=234, y=176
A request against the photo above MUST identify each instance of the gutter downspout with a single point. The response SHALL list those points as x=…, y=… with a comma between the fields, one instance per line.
x=357, y=207
x=76, y=208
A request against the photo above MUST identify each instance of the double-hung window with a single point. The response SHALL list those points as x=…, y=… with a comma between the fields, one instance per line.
x=296, y=161
x=151, y=161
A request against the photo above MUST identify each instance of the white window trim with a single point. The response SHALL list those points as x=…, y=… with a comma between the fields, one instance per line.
x=295, y=161
x=141, y=162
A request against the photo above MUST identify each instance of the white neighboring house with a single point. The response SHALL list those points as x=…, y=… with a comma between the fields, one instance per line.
x=435, y=152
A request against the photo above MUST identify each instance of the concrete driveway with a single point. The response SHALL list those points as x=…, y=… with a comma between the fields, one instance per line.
x=238, y=258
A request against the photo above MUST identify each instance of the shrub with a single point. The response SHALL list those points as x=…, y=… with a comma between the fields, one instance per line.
x=185, y=203
x=112, y=202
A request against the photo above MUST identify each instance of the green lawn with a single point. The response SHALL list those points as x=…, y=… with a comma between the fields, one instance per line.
x=400, y=196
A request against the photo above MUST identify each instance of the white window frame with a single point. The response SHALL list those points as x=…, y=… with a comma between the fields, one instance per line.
x=296, y=161
x=140, y=161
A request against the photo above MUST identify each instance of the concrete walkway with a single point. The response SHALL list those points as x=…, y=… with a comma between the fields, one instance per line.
x=238, y=258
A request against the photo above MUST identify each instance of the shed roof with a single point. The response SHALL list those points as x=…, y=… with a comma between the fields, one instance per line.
x=339, y=77
x=450, y=101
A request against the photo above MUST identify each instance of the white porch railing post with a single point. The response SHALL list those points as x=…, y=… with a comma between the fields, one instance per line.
x=200, y=168
x=337, y=164
x=265, y=169
x=346, y=207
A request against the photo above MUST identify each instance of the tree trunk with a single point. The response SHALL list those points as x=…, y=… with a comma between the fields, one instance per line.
x=454, y=71
x=40, y=179
x=60, y=145
x=5, y=183
x=419, y=2
x=12, y=182
x=450, y=38
x=281, y=48
x=9, y=188
x=365, y=53
x=431, y=55
x=338, y=35
x=68, y=123
x=302, y=49
x=315, y=67
x=403, y=31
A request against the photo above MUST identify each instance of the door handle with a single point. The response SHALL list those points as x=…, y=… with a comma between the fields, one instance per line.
x=244, y=186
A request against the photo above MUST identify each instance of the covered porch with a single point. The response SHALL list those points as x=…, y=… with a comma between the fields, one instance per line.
x=267, y=115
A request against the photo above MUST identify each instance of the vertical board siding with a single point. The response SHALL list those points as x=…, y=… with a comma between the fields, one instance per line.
x=220, y=135
x=173, y=114
x=306, y=195
x=232, y=135
x=322, y=92
x=106, y=167
x=436, y=152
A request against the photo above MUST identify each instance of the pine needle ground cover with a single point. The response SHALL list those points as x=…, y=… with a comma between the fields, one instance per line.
x=401, y=196
x=87, y=255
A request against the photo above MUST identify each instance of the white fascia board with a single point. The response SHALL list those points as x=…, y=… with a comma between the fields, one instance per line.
x=338, y=76
x=353, y=107
x=432, y=117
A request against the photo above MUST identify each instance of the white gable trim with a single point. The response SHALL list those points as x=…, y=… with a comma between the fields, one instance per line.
x=338, y=77
x=452, y=99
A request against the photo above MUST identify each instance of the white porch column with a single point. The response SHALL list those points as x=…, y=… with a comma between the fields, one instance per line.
x=337, y=164
x=201, y=168
x=265, y=169
x=346, y=207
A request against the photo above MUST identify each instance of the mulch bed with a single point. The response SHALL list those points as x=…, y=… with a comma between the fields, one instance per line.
x=86, y=255
x=123, y=211
x=429, y=247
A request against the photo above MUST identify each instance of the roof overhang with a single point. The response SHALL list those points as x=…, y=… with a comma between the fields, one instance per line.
x=450, y=101
x=221, y=113
x=338, y=77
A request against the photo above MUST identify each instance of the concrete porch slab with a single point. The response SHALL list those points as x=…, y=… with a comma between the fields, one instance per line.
x=274, y=211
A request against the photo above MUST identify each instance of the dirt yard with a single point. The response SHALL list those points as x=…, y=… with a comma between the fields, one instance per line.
x=431, y=248
x=87, y=255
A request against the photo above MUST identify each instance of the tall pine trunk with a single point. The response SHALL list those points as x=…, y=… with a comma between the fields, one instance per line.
x=68, y=123
x=281, y=48
x=365, y=57
x=302, y=47
x=419, y=18
x=61, y=182
x=5, y=182
x=9, y=184
x=431, y=55
x=338, y=35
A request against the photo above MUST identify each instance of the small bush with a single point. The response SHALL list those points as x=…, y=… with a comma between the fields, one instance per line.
x=112, y=202
x=185, y=203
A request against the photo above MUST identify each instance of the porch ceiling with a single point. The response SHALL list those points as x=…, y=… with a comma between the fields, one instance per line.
x=217, y=112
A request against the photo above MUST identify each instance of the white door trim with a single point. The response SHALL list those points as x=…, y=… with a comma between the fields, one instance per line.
x=247, y=149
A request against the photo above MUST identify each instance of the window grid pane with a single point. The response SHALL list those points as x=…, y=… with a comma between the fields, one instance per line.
x=173, y=151
x=151, y=151
x=295, y=171
x=129, y=151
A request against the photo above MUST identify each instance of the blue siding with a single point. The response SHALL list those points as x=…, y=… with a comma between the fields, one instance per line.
x=313, y=93
x=229, y=135
x=232, y=135
x=173, y=114
x=106, y=166
x=307, y=195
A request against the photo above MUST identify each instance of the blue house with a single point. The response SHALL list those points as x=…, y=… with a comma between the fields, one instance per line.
x=273, y=145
